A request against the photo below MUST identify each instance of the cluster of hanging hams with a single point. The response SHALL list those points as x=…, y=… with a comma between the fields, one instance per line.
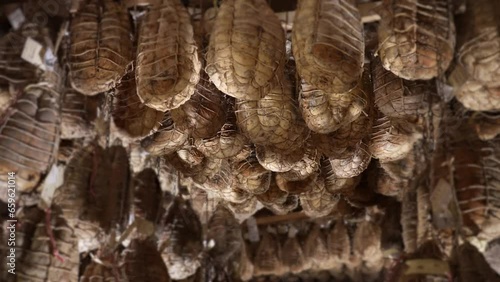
x=112, y=228
x=140, y=100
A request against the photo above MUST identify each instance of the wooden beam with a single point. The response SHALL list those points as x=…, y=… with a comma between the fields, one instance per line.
x=281, y=218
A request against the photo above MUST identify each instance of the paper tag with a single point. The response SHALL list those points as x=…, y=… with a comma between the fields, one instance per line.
x=32, y=53
x=16, y=18
x=53, y=180
x=253, y=230
x=49, y=59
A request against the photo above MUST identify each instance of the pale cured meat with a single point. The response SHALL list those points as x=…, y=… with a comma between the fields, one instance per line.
x=29, y=136
x=416, y=37
x=246, y=50
x=476, y=78
x=101, y=46
x=328, y=44
x=167, y=64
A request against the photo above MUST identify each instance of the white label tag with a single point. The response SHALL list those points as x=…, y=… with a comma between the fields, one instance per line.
x=32, y=53
x=16, y=18
x=49, y=59
x=53, y=180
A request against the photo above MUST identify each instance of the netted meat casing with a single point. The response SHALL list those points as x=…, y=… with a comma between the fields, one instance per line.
x=168, y=67
x=273, y=120
x=142, y=254
x=416, y=37
x=404, y=169
x=315, y=248
x=180, y=240
x=392, y=138
x=393, y=177
x=277, y=200
x=388, y=186
x=190, y=156
x=479, y=41
x=28, y=219
x=244, y=209
x=328, y=44
x=74, y=197
x=305, y=167
x=191, y=163
x=246, y=152
x=335, y=184
x=346, y=138
x=110, y=189
x=251, y=176
x=469, y=264
x=277, y=160
x=246, y=50
x=476, y=96
x=97, y=272
x=327, y=145
x=399, y=98
x=285, y=204
x=168, y=139
x=228, y=143
x=361, y=196
x=147, y=195
x=478, y=54
x=366, y=246
x=77, y=114
x=205, y=112
x=293, y=258
x=291, y=203
x=225, y=230
x=338, y=243
x=41, y=262
x=203, y=203
x=469, y=170
x=295, y=187
x=245, y=265
x=14, y=69
x=267, y=258
x=325, y=112
x=296, y=182
x=487, y=125
x=222, y=183
x=101, y=47
x=29, y=136
x=273, y=195
x=352, y=163
x=130, y=115
x=317, y=201
x=351, y=155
